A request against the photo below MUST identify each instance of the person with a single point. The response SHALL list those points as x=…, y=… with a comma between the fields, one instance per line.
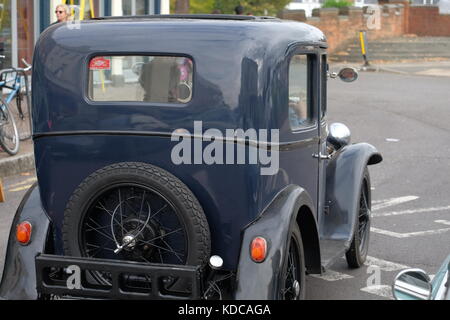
x=239, y=10
x=62, y=13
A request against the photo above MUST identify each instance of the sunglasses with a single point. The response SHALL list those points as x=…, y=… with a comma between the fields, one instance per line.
x=59, y=11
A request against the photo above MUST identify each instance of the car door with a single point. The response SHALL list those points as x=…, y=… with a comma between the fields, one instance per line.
x=303, y=118
x=323, y=131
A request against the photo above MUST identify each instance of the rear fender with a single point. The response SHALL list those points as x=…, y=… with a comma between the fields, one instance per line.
x=261, y=280
x=19, y=273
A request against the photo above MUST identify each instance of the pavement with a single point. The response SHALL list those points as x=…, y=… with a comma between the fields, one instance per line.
x=23, y=161
x=407, y=48
x=424, y=68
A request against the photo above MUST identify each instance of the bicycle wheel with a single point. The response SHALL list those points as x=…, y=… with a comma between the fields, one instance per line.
x=22, y=114
x=9, y=137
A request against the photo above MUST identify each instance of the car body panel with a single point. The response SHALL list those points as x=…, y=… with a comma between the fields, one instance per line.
x=19, y=274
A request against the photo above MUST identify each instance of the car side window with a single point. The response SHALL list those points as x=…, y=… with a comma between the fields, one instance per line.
x=324, y=80
x=155, y=79
x=299, y=100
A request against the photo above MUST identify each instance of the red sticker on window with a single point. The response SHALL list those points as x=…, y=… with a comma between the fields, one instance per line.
x=100, y=63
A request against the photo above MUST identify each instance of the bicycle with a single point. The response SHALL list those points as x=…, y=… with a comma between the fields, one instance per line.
x=15, y=124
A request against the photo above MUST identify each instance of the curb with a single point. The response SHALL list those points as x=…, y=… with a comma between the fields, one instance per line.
x=16, y=164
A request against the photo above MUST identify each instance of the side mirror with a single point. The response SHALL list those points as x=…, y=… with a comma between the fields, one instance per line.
x=412, y=284
x=346, y=74
x=338, y=135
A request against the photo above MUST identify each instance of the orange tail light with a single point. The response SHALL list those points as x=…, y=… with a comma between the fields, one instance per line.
x=23, y=232
x=258, y=249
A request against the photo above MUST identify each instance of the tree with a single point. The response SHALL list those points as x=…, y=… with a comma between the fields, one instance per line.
x=182, y=6
x=256, y=7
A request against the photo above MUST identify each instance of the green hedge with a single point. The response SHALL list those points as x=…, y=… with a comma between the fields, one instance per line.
x=337, y=4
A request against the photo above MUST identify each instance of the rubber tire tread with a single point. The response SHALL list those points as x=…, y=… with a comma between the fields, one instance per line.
x=169, y=183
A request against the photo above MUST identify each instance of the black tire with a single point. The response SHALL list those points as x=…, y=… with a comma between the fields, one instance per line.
x=9, y=137
x=140, y=191
x=293, y=269
x=357, y=253
x=22, y=114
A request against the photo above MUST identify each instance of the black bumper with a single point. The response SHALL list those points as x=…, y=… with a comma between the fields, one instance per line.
x=125, y=280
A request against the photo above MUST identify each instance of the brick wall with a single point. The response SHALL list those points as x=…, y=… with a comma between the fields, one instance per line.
x=426, y=21
x=342, y=26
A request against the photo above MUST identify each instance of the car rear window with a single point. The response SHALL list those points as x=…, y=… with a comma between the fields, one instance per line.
x=156, y=79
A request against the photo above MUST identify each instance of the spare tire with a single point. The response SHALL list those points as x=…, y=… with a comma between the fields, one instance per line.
x=136, y=212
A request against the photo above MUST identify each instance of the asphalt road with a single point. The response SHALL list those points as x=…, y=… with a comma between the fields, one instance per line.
x=406, y=117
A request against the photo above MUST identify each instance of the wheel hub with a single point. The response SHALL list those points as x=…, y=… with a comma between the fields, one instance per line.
x=135, y=244
x=296, y=287
x=129, y=242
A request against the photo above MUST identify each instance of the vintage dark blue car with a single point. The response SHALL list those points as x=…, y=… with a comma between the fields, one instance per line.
x=186, y=157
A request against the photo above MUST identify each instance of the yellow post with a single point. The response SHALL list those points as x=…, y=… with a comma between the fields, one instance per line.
x=362, y=40
x=82, y=7
x=363, y=46
x=2, y=193
x=91, y=4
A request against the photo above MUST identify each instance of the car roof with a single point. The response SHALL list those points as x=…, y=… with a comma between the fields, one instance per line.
x=191, y=16
x=268, y=31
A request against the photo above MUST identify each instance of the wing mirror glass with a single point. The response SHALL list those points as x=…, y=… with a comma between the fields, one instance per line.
x=412, y=284
x=346, y=74
x=338, y=135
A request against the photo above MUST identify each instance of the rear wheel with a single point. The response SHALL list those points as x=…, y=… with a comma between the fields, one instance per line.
x=9, y=138
x=357, y=253
x=292, y=281
x=136, y=212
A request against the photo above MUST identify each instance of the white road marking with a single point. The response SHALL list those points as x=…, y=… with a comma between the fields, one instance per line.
x=331, y=275
x=380, y=290
x=20, y=188
x=392, y=140
x=27, y=181
x=393, y=202
x=447, y=223
x=384, y=265
x=398, y=213
x=409, y=234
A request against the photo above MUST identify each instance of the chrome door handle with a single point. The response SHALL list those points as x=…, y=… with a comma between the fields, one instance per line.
x=320, y=156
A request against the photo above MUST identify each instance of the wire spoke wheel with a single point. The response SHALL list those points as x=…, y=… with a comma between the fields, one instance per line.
x=364, y=221
x=136, y=212
x=359, y=247
x=9, y=139
x=134, y=223
x=293, y=276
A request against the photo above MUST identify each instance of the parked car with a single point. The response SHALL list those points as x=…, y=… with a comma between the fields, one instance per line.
x=416, y=284
x=186, y=157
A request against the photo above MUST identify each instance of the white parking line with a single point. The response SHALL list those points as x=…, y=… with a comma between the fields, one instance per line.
x=380, y=290
x=409, y=234
x=384, y=265
x=331, y=275
x=392, y=202
x=398, y=213
x=447, y=223
x=27, y=181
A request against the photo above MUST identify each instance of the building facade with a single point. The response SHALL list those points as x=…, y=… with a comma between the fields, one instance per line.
x=22, y=21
